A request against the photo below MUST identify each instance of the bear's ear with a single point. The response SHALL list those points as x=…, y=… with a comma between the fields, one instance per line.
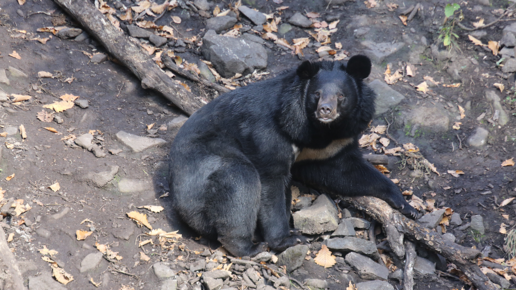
x=307, y=69
x=359, y=66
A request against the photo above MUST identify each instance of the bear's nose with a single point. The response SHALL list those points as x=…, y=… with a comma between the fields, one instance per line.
x=325, y=109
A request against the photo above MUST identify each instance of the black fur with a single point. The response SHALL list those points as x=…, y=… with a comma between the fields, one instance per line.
x=232, y=161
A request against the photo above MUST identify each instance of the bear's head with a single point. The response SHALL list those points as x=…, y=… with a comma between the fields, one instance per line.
x=333, y=89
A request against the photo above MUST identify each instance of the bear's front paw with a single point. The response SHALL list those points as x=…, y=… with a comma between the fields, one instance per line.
x=290, y=241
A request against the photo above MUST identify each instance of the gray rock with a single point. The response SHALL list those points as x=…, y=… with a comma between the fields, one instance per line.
x=478, y=138
x=377, y=52
x=504, y=284
x=98, y=151
x=449, y=237
x=82, y=103
x=300, y=20
x=97, y=58
x=282, y=281
x=359, y=223
x=431, y=220
x=253, y=275
x=352, y=244
x=262, y=257
x=100, y=179
x=163, y=271
x=84, y=141
x=157, y=40
x=316, y=283
x=284, y=28
x=361, y=31
x=231, y=55
x=303, y=202
x=180, y=43
x=253, y=38
x=177, y=122
x=508, y=39
x=386, y=97
x=397, y=275
x=367, y=268
x=127, y=185
x=221, y=23
x=206, y=72
x=256, y=17
x=11, y=130
x=503, y=117
x=169, y=284
x=137, y=143
x=58, y=119
x=374, y=285
x=91, y=261
x=198, y=266
x=424, y=266
x=213, y=284
x=477, y=224
x=455, y=219
x=345, y=229
x=507, y=52
x=43, y=233
x=44, y=282
x=60, y=214
x=124, y=229
x=3, y=77
x=293, y=257
x=509, y=66
x=17, y=73
x=68, y=33
x=202, y=4
x=138, y=32
x=217, y=274
x=430, y=117
x=319, y=218
x=81, y=37
x=510, y=28
x=345, y=278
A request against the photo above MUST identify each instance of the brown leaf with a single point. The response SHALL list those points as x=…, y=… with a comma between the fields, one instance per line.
x=51, y=129
x=507, y=201
x=462, y=112
x=15, y=55
x=382, y=168
x=456, y=85
x=20, y=98
x=128, y=16
x=325, y=258
x=55, y=187
x=60, y=106
x=140, y=218
x=370, y=4
x=153, y=208
x=475, y=41
x=44, y=116
x=455, y=173
x=313, y=15
x=44, y=74
x=501, y=87
x=333, y=25
x=430, y=79
x=185, y=86
x=403, y=19
x=508, y=162
x=159, y=8
x=21, y=2
x=494, y=46
x=478, y=24
x=8, y=178
x=176, y=19
x=144, y=257
x=23, y=133
x=422, y=87
x=47, y=252
x=61, y=275
x=456, y=125
x=503, y=229
x=141, y=6
x=380, y=129
x=216, y=11
x=82, y=235
x=392, y=6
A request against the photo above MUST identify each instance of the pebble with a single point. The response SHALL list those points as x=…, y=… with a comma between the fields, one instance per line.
x=293, y=257
x=58, y=119
x=11, y=130
x=477, y=224
x=163, y=271
x=68, y=33
x=96, y=58
x=367, y=268
x=43, y=233
x=300, y=20
x=478, y=138
x=84, y=141
x=20, y=13
x=91, y=261
x=82, y=103
x=127, y=185
x=256, y=17
x=137, y=143
x=157, y=40
x=17, y=73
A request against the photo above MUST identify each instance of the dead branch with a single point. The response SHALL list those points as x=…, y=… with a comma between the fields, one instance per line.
x=7, y=257
x=506, y=12
x=408, y=273
x=396, y=224
x=130, y=54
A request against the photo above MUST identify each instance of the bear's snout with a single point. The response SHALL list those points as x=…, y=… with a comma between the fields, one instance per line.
x=327, y=110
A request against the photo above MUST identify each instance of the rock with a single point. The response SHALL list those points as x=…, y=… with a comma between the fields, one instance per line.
x=303, y=202
x=386, y=97
x=82, y=103
x=316, y=283
x=60, y=214
x=231, y=55
x=424, y=266
x=256, y=17
x=262, y=257
x=11, y=130
x=177, y=122
x=205, y=72
x=253, y=38
x=293, y=257
x=397, y=275
x=509, y=66
x=495, y=278
x=253, y=275
x=102, y=178
x=96, y=58
x=449, y=237
x=300, y=20
x=345, y=229
x=43, y=233
x=44, y=282
x=359, y=223
x=217, y=274
x=138, y=32
x=477, y=224
x=284, y=28
x=367, y=268
x=68, y=33
x=431, y=118
x=137, y=143
x=198, y=266
x=503, y=117
x=377, y=52
x=84, y=141
x=478, y=138
x=3, y=77
x=91, y=261
x=508, y=39
x=431, y=220
x=202, y=4
x=124, y=229
x=163, y=271
x=361, y=31
x=221, y=23
x=58, y=119
x=157, y=40
x=81, y=37
x=455, y=219
x=319, y=218
x=506, y=52
x=374, y=285
x=98, y=151
x=180, y=43
x=213, y=284
x=352, y=244
x=17, y=73
x=127, y=185
x=169, y=284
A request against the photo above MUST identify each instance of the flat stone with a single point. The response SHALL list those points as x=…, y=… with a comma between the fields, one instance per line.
x=424, y=266
x=84, y=141
x=345, y=229
x=449, y=237
x=316, y=283
x=503, y=117
x=91, y=261
x=163, y=271
x=137, y=143
x=138, y=32
x=43, y=233
x=124, y=230
x=202, y=4
x=82, y=103
x=157, y=40
x=68, y=33
x=3, y=77
x=293, y=257
x=200, y=265
x=11, y=130
x=98, y=58
x=509, y=66
x=508, y=39
x=478, y=138
x=17, y=73
x=352, y=244
x=253, y=38
x=431, y=220
x=256, y=17
x=100, y=179
x=300, y=20
x=507, y=52
x=359, y=223
x=44, y=282
x=431, y=118
x=177, y=122
x=213, y=284
x=377, y=52
x=127, y=185
x=367, y=268
x=386, y=97
x=262, y=257
x=206, y=72
x=374, y=285
x=169, y=284
x=221, y=23
x=477, y=224
x=319, y=218
x=455, y=219
x=217, y=274
x=284, y=28
x=81, y=37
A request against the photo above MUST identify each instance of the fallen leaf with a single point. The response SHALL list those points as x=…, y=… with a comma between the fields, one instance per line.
x=393, y=151
x=185, y=86
x=391, y=79
x=410, y=70
x=82, y=235
x=392, y=6
x=417, y=203
x=19, y=207
x=42, y=40
x=324, y=257
x=456, y=125
x=507, y=201
x=141, y=6
x=23, y=133
x=455, y=173
x=20, y=98
x=140, y=218
x=501, y=87
x=508, y=162
x=462, y=112
x=475, y=41
x=430, y=79
x=61, y=275
x=456, y=85
x=494, y=46
x=368, y=139
x=15, y=55
x=503, y=229
x=282, y=8
x=47, y=252
x=403, y=19
x=216, y=11
x=176, y=19
x=162, y=233
x=338, y=45
x=422, y=87
x=44, y=116
x=91, y=279
x=385, y=141
x=44, y=74
x=153, y=208
x=144, y=257
x=8, y=178
x=431, y=166
x=159, y=8
x=333, y=25
x=407, y=192
x=505, y=216
x=128, y=16
x=55, y=187
x=351, y=286
x=21, y=2
x=60, y=106
x=370, y=4
x=3, y=134
x=478, y=24
x=51, y=129
x=382, y=168
x=313, y=15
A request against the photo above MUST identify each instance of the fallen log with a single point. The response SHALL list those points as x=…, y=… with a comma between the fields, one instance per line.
x=130, y=54
x=393, y=221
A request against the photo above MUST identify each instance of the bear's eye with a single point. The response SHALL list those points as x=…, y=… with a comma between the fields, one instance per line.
x=341, y=97
x=318, y=94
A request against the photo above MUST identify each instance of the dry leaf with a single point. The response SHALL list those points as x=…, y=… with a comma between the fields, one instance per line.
x=141, y=6
x=456, y=125
x=8, y=178
x=23, y=133
x=456, y=85
x=475, y=41
x=338, y=45
x=216, y=11
x=503, y=229
x=367, y=140
x=55, y=187
x=10, y=238
x=60, y=106
x=494, y=46
x=351, y=286
x=20, y=98
x=153, y=208
x=282, y=8
x=91, y=279
x=462, y=112
x=478, y=24
x=47, y=252
x=61, y=275
x=407, y=192
x=430, y=79
x=21, y=2
x=385, y=141
x=507, y=201
x=128, y=16
x=44, y=74
x=392, y=6
x=15, y=55
x=19, y=208
x=185, y=86
x=382, y=168
x=140, y=218
x=333, y=25
x=44, y=116
x=455, y=173
x=403, y=19
x=313, y=15
x=380, y=129
x=391, y=79
x=431, y=166
x=370, y=4
x=159, y=8
x=324, y=257
x=51, y=129
x=162, y=233
x=501, y=87
x=393, y=151
x=82, y=235
x=176, y=19
x=422, y=87
x=410, y=70
x=508, y=162
x=144, y=257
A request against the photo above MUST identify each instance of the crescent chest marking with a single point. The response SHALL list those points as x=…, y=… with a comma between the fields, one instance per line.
x=324, y=153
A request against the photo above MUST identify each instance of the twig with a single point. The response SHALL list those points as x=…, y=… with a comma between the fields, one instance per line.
x=414, y=11
x=408, y=273
x=387, y=132
x=489, y=24
x=297, y=282
x=125, y=273
x=460, y=141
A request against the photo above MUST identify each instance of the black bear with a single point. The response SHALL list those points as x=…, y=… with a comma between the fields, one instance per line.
x=233, y=160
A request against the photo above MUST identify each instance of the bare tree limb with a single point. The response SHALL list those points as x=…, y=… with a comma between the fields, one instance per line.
x=408, y=273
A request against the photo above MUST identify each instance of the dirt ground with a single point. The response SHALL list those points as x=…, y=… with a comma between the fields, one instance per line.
x=117, y=102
